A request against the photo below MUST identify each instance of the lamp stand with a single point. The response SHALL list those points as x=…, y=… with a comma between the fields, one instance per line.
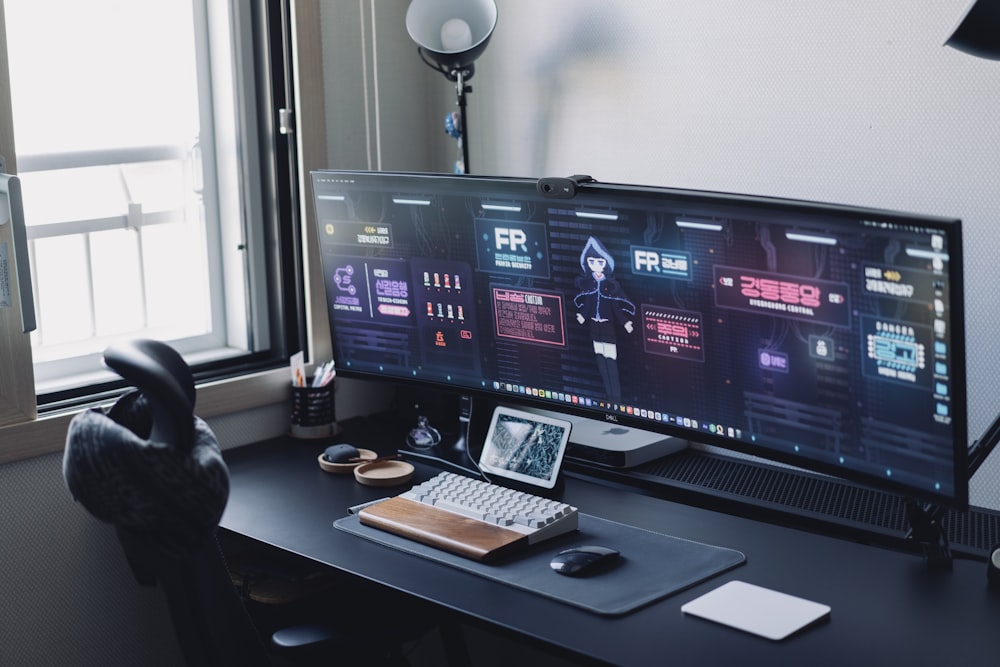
x=461, y=77
x=461, y=88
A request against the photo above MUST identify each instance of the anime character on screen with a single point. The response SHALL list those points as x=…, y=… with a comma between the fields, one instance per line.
x=602, y=304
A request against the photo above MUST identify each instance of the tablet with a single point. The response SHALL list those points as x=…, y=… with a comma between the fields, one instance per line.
x=525, y=447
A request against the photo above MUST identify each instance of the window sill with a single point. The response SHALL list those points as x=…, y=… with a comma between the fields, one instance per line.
x=47, y=434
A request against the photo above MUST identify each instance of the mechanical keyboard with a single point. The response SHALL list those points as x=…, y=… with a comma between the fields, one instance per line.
x=470, y=517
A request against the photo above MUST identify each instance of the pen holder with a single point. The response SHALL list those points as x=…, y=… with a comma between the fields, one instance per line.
x=313, y=412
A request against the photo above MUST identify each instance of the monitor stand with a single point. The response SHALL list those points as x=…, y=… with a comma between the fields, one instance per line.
x=590, y=441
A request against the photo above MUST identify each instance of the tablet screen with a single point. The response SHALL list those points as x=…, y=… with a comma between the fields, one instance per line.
x=525, y=447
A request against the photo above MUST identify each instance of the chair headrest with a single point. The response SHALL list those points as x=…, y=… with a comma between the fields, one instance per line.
x=149, y=464
x=174, y=495
x=164, y=378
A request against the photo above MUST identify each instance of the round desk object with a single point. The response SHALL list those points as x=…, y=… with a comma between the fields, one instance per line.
x=347, y=467
x=993, y=568
x=384, y=473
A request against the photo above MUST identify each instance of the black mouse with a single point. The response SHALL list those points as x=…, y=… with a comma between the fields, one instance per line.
x=582, y=560
x=342, y=453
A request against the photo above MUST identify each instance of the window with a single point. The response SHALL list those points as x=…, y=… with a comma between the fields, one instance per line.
x=183, y=226
x=136, y=133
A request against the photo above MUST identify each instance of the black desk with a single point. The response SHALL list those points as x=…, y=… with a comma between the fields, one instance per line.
x=887, y=607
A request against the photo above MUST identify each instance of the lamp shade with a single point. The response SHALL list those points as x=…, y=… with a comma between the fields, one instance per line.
x=978, y=33
x=451, y=34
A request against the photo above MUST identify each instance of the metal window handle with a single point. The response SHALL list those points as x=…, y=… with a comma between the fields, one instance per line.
x=12, y=208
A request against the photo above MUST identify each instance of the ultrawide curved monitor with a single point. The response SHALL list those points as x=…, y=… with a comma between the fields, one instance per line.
x=828, y=337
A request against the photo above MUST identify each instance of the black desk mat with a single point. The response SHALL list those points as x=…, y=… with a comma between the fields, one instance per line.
x=652, y=565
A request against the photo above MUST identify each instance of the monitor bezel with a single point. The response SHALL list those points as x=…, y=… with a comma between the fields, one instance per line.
x=584, y=188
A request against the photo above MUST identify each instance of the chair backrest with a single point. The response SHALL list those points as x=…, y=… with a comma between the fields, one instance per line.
x=210, y=621
x=154, y=470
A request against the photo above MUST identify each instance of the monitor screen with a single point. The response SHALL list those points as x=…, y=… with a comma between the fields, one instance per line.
x=828, y=337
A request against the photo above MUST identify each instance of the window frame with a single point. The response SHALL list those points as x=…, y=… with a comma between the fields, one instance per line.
x=226, y=40
x=17, y=379
x=284, y=32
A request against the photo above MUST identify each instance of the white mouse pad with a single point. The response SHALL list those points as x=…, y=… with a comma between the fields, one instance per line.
x=761, y=611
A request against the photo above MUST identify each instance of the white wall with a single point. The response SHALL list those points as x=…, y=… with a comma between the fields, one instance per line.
x=385, y=108
x=853, y=101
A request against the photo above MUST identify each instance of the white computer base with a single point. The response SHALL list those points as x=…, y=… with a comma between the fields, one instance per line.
x=613, y=445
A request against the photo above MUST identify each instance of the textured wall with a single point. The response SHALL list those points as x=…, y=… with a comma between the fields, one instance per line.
x=68, y=596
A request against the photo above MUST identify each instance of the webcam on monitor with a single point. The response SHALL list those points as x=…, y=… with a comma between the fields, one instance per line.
x=562, y=188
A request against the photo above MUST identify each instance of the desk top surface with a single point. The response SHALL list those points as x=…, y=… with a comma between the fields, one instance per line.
x=887, y=607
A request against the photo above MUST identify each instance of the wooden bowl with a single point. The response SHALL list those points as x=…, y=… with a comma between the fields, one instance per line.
x=384, y=473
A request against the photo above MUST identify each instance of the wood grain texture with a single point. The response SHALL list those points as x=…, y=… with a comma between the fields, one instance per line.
x=439, y=528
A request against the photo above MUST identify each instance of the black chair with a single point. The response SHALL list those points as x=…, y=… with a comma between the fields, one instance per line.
x=154, y=470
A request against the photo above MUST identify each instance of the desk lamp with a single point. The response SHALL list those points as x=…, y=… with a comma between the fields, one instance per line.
x=450, y=36
x=978, y=33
